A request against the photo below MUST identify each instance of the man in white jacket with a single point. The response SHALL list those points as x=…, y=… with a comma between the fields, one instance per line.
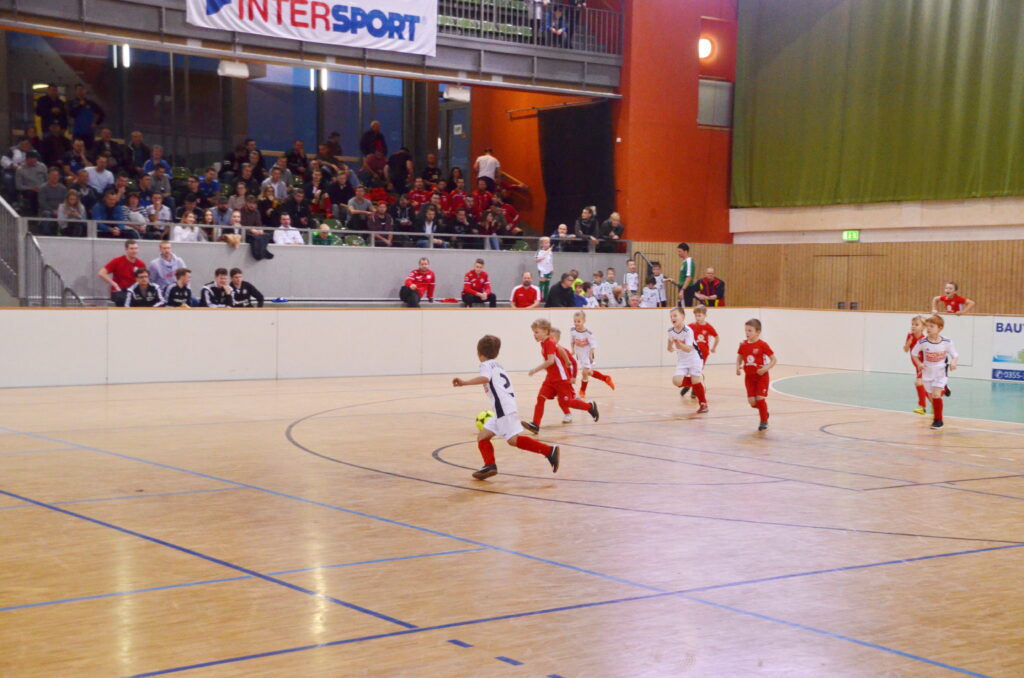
x=286, y=235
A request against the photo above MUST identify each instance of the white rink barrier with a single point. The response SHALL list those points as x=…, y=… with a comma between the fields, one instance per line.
x=67, y=347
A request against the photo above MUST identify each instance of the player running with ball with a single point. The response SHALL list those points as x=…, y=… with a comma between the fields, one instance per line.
x=505, y=423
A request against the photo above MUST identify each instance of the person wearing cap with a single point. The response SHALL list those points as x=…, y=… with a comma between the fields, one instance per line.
x=29, y=178
x=381, y=223
x=222, y=211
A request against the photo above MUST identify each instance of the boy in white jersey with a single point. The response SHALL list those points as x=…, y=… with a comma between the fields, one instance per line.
x=659, y=277
x=583, y=346
x=689, y=364
x=505, y=423
x=650, y=298
x=935, y=355
x=545, y=265
x=632, y=279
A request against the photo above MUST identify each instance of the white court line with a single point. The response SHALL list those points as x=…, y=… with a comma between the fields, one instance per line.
x=882, y=409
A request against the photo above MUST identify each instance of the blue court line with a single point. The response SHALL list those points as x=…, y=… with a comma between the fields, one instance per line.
x=459, y=643
x=340, y=509
x=212, y=559
x=839, y=636
x=219, y=581
x=509, y=660
x=533, y=613
x=127, y=496
x=661, y=594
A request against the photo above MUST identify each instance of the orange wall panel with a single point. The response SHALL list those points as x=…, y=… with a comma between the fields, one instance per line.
x=515, y=141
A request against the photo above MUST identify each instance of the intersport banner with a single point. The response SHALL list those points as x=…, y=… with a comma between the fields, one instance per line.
x=396, y=25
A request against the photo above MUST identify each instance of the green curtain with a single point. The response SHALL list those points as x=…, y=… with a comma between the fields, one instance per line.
x=856, y=101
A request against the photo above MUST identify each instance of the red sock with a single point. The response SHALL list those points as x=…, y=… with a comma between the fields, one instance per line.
x=578, y=404
x=598, y=375
x=531, y=445
x=538, y=411
x=937, y=408
x=762, y=408
x=486, y=451
x=686, y=381
x=922, y=396
x=583, y=386
x=698, y=390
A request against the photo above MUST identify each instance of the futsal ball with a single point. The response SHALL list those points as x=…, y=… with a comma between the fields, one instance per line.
x=482, y=418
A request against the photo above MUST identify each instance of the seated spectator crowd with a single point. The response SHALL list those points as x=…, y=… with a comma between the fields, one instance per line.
x=74, y=175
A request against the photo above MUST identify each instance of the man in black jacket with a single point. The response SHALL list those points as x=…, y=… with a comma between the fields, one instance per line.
x=142, y=293
x=561, y=295
x=244, y=294
x=217, y=294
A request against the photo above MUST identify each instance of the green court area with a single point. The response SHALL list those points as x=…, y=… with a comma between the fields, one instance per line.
x=973, y=398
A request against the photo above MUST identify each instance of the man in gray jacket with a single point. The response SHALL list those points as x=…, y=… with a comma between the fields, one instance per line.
x=29, y=178
x=51, y=195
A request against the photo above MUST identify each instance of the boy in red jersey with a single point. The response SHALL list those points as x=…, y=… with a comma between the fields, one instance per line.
x=935, y=355
x=951, y=301
x=703, y=332
x=754, y=359
x=571, y=366
x=476, y=288
x=556, y=383
x=505, y=423
x=914, y=336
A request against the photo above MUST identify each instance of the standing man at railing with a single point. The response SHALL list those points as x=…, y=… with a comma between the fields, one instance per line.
x=119, y=272
x=687, y=274
x=488, y=168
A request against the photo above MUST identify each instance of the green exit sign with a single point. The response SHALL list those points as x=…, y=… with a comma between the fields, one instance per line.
x=851, y=236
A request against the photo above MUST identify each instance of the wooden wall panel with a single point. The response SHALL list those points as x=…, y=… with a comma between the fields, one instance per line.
x=889, y=277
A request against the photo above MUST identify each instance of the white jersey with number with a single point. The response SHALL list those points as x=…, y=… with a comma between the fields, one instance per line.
x=584, y=344
x=935, y=356
x=686, y=338
x=499, y=388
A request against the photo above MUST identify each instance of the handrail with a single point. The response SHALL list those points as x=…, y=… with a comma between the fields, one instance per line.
x=9, y=247
x=49, y=279
x=341, y=235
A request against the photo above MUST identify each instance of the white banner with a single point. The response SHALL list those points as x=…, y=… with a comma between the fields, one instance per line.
x=395, y=25
x=1008, y=349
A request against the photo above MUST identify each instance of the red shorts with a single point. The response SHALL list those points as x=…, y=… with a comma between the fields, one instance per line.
x=757, y=384
x=557, y=389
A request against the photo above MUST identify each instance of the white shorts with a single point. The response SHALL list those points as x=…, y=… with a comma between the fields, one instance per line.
x=689, y=370
x=584, y=361
x=934, y=381
x=505, y=427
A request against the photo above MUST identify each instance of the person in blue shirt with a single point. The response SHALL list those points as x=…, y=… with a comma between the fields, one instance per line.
x=87, y=116
x=557, y=29
x=111, y=217
x=156, y=159
x=209, y=189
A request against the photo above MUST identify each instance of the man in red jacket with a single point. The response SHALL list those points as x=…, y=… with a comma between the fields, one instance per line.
x=477, y=287
x=418, y=284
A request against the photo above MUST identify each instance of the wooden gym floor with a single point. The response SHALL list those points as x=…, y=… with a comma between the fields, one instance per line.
x=330, y=528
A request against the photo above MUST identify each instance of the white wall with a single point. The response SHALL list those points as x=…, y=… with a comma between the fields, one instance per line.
x=52, y=347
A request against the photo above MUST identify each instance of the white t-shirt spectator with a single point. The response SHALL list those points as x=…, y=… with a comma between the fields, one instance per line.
x=487, y=166
x=545, y=262
x=286, y=235
x=99, y=180
x=183, y=233
x=280, y=188
x=164, y=216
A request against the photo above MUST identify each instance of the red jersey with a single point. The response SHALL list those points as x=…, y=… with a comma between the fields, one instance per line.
x=424, y=281
x=475, y=283
x=755, y=355
x=702, y=337
x=912, y=339
x=511, y=214
x=456, y=199
x=482, y=199
x=123, y=271
x=953, y=303
x=419, y=198
x=556, y=371
x=571, y=365
x=523, y=297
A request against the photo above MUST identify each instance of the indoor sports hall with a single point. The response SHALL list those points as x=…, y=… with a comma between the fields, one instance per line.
x=782, y=243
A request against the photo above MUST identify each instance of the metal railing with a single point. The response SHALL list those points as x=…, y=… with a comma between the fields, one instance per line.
x=48, y=288
x=531, y=22
x=345, y=237
x=9, y=248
